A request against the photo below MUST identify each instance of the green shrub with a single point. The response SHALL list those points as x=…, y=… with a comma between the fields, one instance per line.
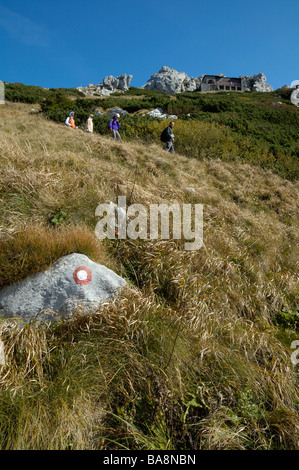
x=243, y=126
x=288, y=319
x=18, y=92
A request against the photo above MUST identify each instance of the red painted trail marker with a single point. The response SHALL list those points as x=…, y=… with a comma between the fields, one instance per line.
x=82, y=275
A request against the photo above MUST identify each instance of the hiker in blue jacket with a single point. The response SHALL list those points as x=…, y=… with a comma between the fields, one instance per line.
x=114, y=127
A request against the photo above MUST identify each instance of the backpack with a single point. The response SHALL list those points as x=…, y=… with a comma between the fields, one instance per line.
x=164, y=135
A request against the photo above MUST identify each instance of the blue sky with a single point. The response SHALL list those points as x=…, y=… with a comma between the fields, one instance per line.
x=74, y=43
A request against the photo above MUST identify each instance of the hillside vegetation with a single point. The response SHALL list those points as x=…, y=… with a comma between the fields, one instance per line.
x=256, y=128
x=196, y=351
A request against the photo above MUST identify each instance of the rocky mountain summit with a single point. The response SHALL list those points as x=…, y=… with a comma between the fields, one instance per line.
x=171, y=81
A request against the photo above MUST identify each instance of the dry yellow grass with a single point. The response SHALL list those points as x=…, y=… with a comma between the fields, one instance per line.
x=193, y=340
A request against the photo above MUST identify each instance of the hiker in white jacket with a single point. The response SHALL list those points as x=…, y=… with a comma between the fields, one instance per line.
x=70, y=121
x=89, y=124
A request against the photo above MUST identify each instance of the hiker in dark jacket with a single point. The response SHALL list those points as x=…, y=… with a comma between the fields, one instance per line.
x=169, y=138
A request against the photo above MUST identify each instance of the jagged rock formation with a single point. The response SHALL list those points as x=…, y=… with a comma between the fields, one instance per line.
x=295, y=96
x=119, y=83
x=170, y=81
x=110, y=85
x=256, y=83
x=71, y=282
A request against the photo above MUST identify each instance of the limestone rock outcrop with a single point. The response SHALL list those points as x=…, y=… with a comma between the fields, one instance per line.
x=295, y=96
x=109, y=85
x=256, y=83
x=170, y=81
x=119, y=83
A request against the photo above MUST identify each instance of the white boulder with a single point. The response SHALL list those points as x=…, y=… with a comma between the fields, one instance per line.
x=73, y=281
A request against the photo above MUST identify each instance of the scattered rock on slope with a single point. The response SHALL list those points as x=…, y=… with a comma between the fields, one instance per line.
x=117, y=110
x=71, y=282
x=158, y=113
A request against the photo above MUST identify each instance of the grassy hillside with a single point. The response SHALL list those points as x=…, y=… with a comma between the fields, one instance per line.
x=196, y=352
x=256, y=128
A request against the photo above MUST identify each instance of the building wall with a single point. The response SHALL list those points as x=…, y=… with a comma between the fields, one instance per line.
x=216, y=83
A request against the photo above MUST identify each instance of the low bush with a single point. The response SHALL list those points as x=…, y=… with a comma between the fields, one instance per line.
x=18, y=92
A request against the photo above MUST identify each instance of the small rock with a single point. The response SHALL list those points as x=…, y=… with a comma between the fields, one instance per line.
x=189, y=189
x=120, y=111
x=157, y=113
x=105, y=92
